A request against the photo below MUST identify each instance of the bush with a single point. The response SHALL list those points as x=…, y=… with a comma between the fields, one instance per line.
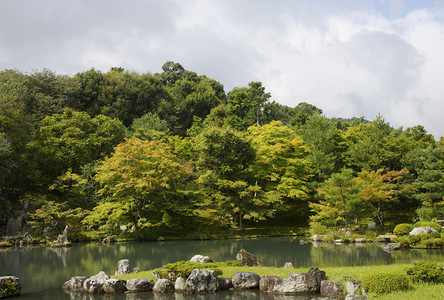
x=438, y=242
x=414, y=239
x=403, y=240
x=432, y=225
x=385, y=282
x=402, y=229
x=317, y=228
x=435, y=235
x=183, y=269
x=426, y=272
x=428, y=243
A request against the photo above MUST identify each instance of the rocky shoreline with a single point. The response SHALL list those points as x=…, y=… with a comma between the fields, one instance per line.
x=313, y=282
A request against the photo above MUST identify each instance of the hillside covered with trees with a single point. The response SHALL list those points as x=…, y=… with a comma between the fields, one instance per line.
x=172, y=153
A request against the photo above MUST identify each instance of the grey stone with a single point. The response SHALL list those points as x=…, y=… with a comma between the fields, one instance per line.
x=315, y=238
x=179, y=284
x=331, y=288
x=309, y=282
x=74, y=284
x=10, y=286
x=355, y=297
x=204, y=281
x=109, y=240
x=360, y=240
x=392, y=247
x=288, y=265
x=123, y=227
x=163, y=286
x=353, y=287
x=419, y=230
x=201, y=259
x=94, y=284
x=62, y=239
x=138, y=285
x=267, y=283
x=245, y=280
x=123, y=267
x=225, y=283
x=247, y=259
x=371, y=225
x=114, y=286
x=303, y=242
x=136, y=270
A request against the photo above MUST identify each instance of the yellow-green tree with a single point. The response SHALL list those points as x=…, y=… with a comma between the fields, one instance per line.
x=146, y=179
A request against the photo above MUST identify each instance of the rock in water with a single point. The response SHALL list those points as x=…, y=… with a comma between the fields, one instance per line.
x=138, y=285
x=74, y=284
x=114, y=286
x=245, y=280
x=163, y=286
x=179, y=284
x=122, y=267
x=247, y=259
x=267, y=283
x=9, y=286
x=299, y=283
x=95, y=283
x=331, y=288
x=204, y=281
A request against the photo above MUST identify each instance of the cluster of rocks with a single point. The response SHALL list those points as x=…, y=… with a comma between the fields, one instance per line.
x=9, y=286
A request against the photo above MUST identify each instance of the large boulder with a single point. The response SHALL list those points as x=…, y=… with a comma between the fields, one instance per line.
x=114, y=286
x=353, y=287
x=138, y=285
x=298, y=283
x=267, y=283
x=419, y=230
x=74, y=284
x=247, y=259
x=94, y=284
x=331, y=288
x=201, y=259
x=245, y=280
x=163, y=286
x=62, y=239
x=204, y=281
x=391, y=247
x=123, y=267
x=9, y=286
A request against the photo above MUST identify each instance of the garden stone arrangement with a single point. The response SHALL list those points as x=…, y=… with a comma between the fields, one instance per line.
x=206, y=281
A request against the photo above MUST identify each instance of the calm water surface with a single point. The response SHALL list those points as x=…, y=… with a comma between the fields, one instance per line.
x=42, y=271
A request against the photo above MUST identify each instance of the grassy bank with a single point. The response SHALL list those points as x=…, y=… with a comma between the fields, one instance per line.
x=417, y=291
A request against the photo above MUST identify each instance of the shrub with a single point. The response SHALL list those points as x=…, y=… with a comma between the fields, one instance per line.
x=426, y=272
x=438, y=242
x=428, y=243
x=403, y=240
x=432, y=225
x=435, y=235
x=385, y=282
x=414, y=239
x=317, y=228
x=402, y=229
x=183, y=269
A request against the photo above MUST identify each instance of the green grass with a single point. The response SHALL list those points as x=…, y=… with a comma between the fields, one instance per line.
x=423, y=291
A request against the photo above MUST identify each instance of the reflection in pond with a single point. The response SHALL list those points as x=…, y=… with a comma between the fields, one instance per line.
x=42, y=271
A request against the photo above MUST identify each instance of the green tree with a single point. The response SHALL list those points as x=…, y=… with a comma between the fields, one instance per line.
x=302, y=112
x=149, y=126
x=340, y=192
x=69, y=141
x=145, y=181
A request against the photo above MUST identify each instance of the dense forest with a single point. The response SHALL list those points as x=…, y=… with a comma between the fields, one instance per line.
x=172, y=152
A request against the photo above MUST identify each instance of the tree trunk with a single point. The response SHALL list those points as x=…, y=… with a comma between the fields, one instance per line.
x=241, y=227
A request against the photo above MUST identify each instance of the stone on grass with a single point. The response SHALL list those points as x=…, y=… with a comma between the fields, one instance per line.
x=114, y=286
x=74, y=284
x=138, y=285
x=123, y=267
x=331, y=288
x=245, y=280
x=204, y=281
x=201, y=259
x=245, y=258
x=163, y=286
x=353, y=287
x=288, y=265
x=360, y=240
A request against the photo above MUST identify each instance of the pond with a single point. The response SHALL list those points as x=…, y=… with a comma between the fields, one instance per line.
x=43, y=270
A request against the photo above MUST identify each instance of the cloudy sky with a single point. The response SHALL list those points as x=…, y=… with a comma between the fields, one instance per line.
x=350, y=58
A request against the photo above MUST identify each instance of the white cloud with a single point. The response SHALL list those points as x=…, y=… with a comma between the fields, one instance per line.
x=349, y=58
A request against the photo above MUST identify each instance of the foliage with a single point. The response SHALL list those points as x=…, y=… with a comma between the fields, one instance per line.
x=183, y=269
x=384, y=282
x=148, y=127
x=402, y=229
x=146, y=179
x=426, y=272
x=432, y=225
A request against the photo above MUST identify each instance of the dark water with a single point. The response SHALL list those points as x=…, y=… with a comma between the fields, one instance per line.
x=42, y=271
